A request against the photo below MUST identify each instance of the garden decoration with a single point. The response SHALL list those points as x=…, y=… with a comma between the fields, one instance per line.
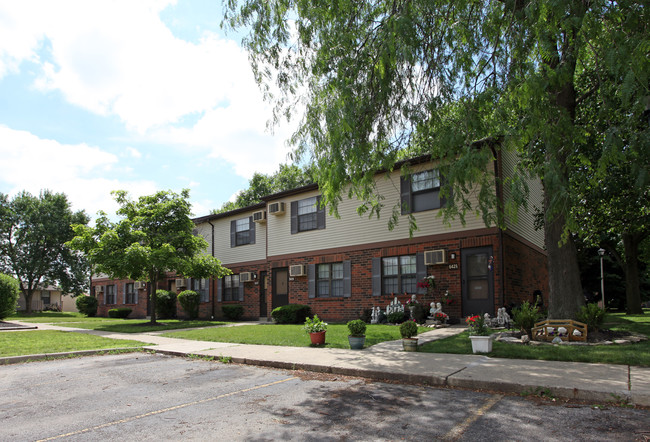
x=409, y=329
x=357, y=336
x=316, y=329
x=479, y=334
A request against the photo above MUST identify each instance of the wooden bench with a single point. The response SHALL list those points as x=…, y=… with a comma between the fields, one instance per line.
x=547, y=330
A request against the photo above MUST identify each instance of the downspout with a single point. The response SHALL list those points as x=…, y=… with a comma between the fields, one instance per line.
x=212, y=289
x=499, y=192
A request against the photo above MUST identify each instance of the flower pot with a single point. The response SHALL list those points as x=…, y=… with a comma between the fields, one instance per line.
x=317, y=338
x=481, y=344
x=410, y=344
x=356, y=342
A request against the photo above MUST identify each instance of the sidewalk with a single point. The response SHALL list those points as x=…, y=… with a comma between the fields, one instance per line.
x=601, y=383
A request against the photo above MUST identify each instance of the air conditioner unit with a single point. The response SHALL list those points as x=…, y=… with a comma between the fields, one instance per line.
x=140, y=285
x=434, y=257
x=246, y=277
x=181, y=282
x=276, y=208
x=297, y=270
x=259, y=217
x=99, y=289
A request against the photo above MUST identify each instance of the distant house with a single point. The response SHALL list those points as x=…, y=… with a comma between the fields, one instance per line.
x=49, y=298
x=287, y=249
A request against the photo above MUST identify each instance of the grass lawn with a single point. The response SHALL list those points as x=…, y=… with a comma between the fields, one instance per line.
x=291, y=335
x=627, y=354
x=78, y=320
x=18, y=343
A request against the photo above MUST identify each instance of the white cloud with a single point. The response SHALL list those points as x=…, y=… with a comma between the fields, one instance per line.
x=133, y=153
x=80, y=171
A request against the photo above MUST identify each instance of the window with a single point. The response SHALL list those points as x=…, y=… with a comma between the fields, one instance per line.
x=421, y=192
x=306, y=214
x=330, y=280
x=231, y=288
x=200, y=286
x=399, y=274
x=129, y=293
x=45, y=297
x=109, y=296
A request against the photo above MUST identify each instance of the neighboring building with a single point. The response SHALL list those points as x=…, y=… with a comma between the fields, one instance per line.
x=49, y=298
x=288, y=250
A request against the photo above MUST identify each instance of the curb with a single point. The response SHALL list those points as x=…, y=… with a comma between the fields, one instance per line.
x=9, y=360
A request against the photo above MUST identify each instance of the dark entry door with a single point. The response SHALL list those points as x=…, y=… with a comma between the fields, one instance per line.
x=478, y=281
x=280, y=287
x=264, y=284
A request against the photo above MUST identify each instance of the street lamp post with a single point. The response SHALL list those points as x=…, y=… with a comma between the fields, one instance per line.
x=601, y=253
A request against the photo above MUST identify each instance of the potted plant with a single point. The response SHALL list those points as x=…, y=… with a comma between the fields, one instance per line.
x=357, y=336
x=316, y=329
x=479, y=334
x=409, y=329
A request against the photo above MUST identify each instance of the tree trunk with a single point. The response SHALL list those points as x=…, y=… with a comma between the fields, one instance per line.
x=632, y=292
x=565, y=289
x=29, y=294
x=153, y=283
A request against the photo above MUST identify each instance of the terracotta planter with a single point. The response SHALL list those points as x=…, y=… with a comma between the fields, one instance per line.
x=356, y=342
x=410, y=344
x=318, y=338
x=481, y=344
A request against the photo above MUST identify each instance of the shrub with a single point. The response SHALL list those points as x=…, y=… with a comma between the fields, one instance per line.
x=396, y=317
x=87, y=305
x=233, y=312
x=525, y=316
x=9, y=292
x=408, y=329
x=189, y=300
x=366, y=315
x=357, y=327
x=420, y=313
x=315, y=325
x=120, y=312
x=165, y=304
x=291, y=314
x=593, y=316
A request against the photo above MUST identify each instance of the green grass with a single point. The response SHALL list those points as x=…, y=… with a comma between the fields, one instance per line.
x=54, y=317
x=19, y=343
x=626, y=354
x=291, y=335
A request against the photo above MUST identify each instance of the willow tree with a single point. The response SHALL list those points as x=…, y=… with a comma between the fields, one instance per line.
x=376, y=80
x=155, y=235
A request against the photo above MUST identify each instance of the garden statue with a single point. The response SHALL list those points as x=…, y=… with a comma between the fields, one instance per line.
x=394, y=306
x=435, y=308
x=374, y=316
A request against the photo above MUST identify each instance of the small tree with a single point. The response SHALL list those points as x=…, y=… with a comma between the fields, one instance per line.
x=189, y=300
x=154, y=237
x=87, y=305
x=9, y=292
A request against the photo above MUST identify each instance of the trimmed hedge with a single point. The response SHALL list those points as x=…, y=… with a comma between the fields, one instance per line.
x=189, y=300
x=120, y=312
x=87, y=305
x=233, y=312
x=291, y=314
x=165, y=304
x=9, y=292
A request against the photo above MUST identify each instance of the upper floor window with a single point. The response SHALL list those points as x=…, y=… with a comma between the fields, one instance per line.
x=242, y=232
x=421, y=191
x=399, y=274
x=330, y=280
x=306, y=214
x=109, y=295
x=129, y=293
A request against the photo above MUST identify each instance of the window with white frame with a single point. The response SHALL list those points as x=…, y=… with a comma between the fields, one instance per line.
x=45, y=297
x=421, y=191
x=231, y=288
x=399, y=274
x=109, y=294
x=201, y=287
x=129, y=293
x=329, y=282
x=243, y=231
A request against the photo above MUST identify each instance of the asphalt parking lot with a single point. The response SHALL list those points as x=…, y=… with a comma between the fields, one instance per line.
x=142, y=396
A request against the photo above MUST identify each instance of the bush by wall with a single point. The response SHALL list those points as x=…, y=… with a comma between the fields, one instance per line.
x=189, y=300
x=420, y=313
x=165, y=304
x=525, y=316
x=233, y=312
x=291, y=314
x=396, y=317
x=120, y=312
x=9, y=292
x=87, y=305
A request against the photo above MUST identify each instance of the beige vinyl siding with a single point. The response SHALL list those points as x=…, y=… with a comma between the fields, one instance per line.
x=524, y=224
x=245, y=253
x=351, y=229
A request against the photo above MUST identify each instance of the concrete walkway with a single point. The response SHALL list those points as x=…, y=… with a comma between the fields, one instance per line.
x=602, y=383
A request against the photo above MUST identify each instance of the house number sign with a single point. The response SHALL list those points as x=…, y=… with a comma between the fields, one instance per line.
x=453, y=266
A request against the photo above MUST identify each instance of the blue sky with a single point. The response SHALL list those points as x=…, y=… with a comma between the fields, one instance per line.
x=139, y=95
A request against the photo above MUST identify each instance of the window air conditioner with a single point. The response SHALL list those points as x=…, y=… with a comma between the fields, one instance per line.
x=140, y=285
x=99, y=289
x=246, y=277
x=276, y=208
x=434, y=257
x=259, y=217
x=297, y=270
x=181, y=282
